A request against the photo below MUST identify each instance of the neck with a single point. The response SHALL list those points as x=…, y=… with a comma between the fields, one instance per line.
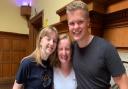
x=66, y=69
x=86, y=41
x=44, y=56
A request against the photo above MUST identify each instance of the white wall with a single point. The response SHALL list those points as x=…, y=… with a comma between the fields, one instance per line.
x=10, y=19
x=50, y=7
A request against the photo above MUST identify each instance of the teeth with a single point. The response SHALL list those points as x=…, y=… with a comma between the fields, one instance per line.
x=64, y=57
x=76, y=32
x=51, y=48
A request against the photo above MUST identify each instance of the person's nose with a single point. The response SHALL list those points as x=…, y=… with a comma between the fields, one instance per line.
x=51, y=42
x=76, y=25
x=64, y=52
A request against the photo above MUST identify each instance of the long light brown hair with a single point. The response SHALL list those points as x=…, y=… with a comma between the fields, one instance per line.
x=36, y=54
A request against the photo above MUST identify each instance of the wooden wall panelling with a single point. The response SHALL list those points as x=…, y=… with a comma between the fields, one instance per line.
x=62, y=27
x=96, y=23
x=6, y=71
x=115, y=28
x=116, y=19
x=5, y=50
x=99, y=6
x=5, y=57
x=19, y=51
x=13, y=48
x=117, y=36
x=62, y=13
x=14, y=69
x=1, y=69
x=31, y=38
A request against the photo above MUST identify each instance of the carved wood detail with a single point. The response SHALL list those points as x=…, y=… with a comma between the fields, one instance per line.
x=62, y=26
x=116, y=19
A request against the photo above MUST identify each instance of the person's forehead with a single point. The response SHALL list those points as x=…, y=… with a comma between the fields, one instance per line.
x=64, y=42
x=51, y=34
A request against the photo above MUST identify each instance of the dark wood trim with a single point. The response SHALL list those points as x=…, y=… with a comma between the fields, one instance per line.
x=103, y=2
x=110, y=2
x=35, y=25
x=122, y=48
x=36, y=17
x=66, y=31
x=37, y=20
x=86, y=1
x=61, y=11
x=61, y=26
x=12, y=34
x=96, y=17
x=116, y=19
x=96, y=23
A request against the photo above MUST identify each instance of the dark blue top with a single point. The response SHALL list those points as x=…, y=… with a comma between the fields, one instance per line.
x=34, y=76
x=95, y=64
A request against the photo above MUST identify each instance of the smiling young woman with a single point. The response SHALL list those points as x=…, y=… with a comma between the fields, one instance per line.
x=35, y=71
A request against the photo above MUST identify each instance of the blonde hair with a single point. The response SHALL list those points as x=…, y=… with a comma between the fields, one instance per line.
x=37, y=53
x=77, y=5
x=56, y=62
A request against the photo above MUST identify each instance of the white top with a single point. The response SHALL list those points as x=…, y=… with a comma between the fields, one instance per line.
x=62, y=82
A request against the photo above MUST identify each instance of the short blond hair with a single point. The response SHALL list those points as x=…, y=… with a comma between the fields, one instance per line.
x=77, y=5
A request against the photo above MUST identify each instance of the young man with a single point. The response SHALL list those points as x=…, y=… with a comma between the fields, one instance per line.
x=94, y=59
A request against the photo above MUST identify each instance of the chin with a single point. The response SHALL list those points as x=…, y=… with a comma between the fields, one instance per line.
x=76, y=39
x=49, y=53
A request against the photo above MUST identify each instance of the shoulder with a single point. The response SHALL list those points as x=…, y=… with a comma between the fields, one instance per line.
x=99, y=39
x=27, y=60
x=102, y=42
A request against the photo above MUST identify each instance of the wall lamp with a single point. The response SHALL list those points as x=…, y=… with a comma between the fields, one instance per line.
x=25, y=11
